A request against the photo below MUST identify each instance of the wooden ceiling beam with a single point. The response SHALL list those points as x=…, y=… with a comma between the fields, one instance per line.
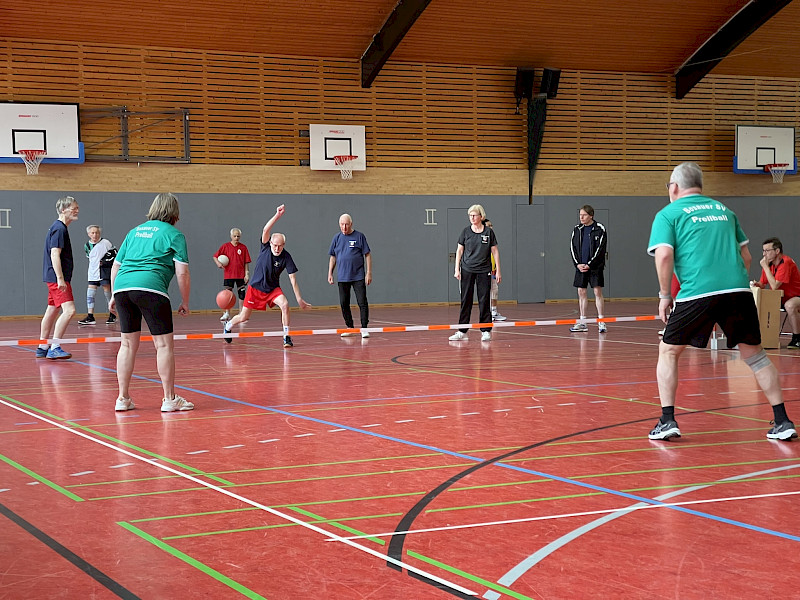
x=718, y=46
x=405, y=13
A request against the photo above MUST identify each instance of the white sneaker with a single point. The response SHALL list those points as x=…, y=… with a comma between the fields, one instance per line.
x=486, y=336
x=124, y=404
x=498, y=317
x=225, y=317
x=601, y=327
x=177, y=403
x=364, y=334
x=579, y=327
x=458, y=336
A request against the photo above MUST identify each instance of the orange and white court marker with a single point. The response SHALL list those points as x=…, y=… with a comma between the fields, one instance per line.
x=295, y=332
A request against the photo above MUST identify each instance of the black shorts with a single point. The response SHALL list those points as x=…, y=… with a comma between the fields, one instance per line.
x=135, y=304
x=592, y=278
x=99, y=283
x=233, y=284
x=692, y=321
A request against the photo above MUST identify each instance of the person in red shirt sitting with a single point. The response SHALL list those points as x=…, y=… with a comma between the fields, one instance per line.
x=779, y=272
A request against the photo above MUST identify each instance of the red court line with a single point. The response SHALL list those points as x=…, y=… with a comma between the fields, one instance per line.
x=254, y=334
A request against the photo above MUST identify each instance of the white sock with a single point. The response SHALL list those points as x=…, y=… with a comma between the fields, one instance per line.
x=44, y=346
x=285, y=330
x=583, y=320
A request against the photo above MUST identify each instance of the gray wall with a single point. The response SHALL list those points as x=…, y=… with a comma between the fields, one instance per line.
x=410, y=258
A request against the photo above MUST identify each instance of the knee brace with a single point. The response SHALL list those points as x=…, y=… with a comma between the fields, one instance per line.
x=90, y=292
x=758, y=361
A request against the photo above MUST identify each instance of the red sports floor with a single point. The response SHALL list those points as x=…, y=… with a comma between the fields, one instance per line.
x=399, y=467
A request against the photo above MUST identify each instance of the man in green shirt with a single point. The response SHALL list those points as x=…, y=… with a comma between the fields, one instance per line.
x=700, y=239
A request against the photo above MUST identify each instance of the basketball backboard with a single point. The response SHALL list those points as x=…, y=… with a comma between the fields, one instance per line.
x=759, y=146
x=54, y=128
x=327, y=141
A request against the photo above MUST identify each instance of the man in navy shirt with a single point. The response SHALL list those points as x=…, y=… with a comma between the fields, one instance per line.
x=57, y=274
x=264, y=288
x=350, y=254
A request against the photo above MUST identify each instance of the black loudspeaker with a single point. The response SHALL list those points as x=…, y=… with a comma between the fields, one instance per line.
x=550, y=79
x=523, y=86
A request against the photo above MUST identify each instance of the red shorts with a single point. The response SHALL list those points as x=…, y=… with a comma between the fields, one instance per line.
x=258, y=300
x=56, y=297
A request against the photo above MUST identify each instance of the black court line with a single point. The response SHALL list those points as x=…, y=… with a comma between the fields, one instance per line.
x=395, y=549
x=68, y=554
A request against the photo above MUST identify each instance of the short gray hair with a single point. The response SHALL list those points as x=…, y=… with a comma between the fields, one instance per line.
x=478, y=209
x=687, y=175
x=276, y=234
x=236, y=229
x=348, y=217
x=64, y=203
x=90, y=227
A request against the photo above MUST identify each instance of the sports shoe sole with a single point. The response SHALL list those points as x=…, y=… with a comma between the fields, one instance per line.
x=673, y=432
x=783, y=435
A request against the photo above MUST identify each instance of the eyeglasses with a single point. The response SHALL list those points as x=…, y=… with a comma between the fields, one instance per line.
x=670, y=183
x=769, y=250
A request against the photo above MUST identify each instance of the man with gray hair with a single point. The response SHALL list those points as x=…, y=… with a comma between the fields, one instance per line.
x=101, y=259
x=58, y=265
x=700, y=239
x=350, y=254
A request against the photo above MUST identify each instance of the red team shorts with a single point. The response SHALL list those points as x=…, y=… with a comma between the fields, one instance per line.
x=258, y=300
x=56, y=297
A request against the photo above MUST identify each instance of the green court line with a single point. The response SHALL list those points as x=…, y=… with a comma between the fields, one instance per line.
x=474, y=578
x=628, y=490
x=338, y=525
x=41, y=479
x=264, y=527
x=116, y=441
x=192, y=561
x=424, y=558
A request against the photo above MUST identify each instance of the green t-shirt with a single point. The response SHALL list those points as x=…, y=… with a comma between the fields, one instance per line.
x=707, y=240
x=147, y=258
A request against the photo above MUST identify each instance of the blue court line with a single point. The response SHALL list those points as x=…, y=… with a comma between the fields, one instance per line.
x=566, y=480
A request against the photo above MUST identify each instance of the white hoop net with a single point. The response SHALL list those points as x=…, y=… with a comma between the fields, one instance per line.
x=345, y=164
x=777, y=172
x=32, y=160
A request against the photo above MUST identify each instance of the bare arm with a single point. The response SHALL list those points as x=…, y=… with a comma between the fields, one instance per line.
x=184, y=285
x=246, y=272
x=265, y=234
x=665, y=267
x=296, y=287
x=368, y=262
x=459, y=254
x=331, y=264
x=55, y=258
x=496, y=255
x=746, y=256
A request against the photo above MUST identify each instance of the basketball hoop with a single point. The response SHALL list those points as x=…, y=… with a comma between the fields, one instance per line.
x=32, y=160
x=777, y=171
x=345, y=164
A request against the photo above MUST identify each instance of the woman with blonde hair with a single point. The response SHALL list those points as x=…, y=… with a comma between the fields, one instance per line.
x=151, y=255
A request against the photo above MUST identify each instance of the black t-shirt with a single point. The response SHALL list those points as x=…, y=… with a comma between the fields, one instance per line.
x=477, y=257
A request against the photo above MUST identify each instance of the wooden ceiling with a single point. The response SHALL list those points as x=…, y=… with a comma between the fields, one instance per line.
x=601, y=35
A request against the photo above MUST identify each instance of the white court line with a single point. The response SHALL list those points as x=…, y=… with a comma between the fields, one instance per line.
x=81, y=473
x=234, y=446
x=121, y=465
x=277, y=513
x=266, y=441
x=197, y=452
x=631, y=508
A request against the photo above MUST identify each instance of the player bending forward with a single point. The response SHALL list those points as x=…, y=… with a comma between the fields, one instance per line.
x=264, y=287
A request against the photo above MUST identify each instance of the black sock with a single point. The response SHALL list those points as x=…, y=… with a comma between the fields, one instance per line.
x=779, y=413
x=667, y=413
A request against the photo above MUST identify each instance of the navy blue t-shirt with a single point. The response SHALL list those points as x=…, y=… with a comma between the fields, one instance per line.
x=586, y=244
x=349, y=250
x=57, y=237
x=267, y=272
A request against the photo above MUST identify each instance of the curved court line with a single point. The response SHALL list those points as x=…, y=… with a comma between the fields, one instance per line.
x=245, y=500
x=525, y=565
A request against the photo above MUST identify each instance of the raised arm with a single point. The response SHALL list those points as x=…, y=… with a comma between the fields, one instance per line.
x=265, y=235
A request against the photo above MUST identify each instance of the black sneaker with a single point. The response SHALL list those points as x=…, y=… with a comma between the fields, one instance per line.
x=112, y=318
x=89, y=320
x=225, y=330
x=784, y=431
x=287, y=341
x=795, y=343
x=664, y=431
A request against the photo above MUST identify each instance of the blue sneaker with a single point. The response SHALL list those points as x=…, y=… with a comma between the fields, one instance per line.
x=56, y=353
x=42, y=352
